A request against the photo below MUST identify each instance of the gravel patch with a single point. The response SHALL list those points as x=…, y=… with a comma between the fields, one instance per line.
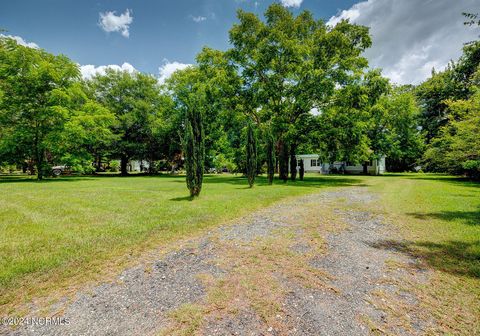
x=358, y=269
x=242, y=324
x=136, y=303
x=253, y=228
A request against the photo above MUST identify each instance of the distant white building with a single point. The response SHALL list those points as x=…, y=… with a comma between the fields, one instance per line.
x=312, y=163
x=136, y=165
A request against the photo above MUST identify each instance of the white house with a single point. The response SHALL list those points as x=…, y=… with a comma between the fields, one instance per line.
x=312, y=163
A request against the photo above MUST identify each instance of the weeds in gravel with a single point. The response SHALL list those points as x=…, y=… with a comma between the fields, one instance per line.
x=258, y=271
x=187, y=318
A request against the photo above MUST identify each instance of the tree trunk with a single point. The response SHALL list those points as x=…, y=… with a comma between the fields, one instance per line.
x=99, y=163
x=293, y=163
x=302, y=170
x=270, y=148
x=123, y=165
x=283, y=161
x=365, y=168
x=39, y=163
x=31, y=167
x=38, y=157
x=251, y=155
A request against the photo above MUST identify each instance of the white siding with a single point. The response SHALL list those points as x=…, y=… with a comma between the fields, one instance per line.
x=377, y=167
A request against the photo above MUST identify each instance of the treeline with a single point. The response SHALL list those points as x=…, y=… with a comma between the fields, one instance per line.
x=450, y=102
x=288, y=85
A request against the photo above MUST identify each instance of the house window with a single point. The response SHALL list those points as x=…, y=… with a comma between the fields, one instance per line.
x=299, y=162
x=314, y=163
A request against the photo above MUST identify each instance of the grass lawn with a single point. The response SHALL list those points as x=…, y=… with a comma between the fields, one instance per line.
x=66, y=230
x=441, y=215
x=440, y=220
x=69, y=228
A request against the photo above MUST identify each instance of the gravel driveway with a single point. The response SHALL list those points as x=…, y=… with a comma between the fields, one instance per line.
x=280, y=271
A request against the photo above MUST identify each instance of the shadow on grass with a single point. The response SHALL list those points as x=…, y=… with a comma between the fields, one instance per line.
x=29, y=179
x=457, y=180
x=455, y=257
x=309, y=181
x=77, y=178
x=182, y=199
x=465, y=217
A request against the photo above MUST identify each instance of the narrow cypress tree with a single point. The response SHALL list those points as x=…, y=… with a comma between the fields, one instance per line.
x=301, y=170
x=251, y=155
x=293, y=163
x=270, y=149
x=194, y=148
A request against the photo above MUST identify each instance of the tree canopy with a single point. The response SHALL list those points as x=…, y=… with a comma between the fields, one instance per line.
x=288, y=84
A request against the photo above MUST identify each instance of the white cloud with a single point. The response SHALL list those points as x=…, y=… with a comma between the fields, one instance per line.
x=291, y=3
x=110, y=22
x=89, y=70
x=411, y=36
x=21, y=41
x=198, y=19
x=168, y=68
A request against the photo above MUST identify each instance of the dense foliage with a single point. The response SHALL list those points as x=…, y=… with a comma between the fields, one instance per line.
x=449, y=102
x=289, y=84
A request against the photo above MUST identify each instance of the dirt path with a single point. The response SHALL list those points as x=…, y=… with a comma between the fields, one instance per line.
x=317, y=265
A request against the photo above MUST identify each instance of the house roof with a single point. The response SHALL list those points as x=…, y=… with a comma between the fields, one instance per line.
x=316, y=156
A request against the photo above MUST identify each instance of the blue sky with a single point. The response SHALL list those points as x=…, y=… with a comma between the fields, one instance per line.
x=160, y=29
x=172, y=32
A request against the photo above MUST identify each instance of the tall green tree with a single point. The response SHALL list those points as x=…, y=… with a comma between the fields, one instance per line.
x=251, y=154
x=135, y=100
x=456, y=149
x=189, y=92
x=432, y=95
x=452, y=95
x=453, y=83
x=345, y=125
x=290, y=64
x=224, y=112
x=36, y=90
x=394, y=130
x=194, y=149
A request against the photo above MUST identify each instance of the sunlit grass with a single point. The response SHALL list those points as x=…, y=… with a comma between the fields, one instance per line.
x=68, y=227
x=67, y=230
x=440, y=220
x=441, y=214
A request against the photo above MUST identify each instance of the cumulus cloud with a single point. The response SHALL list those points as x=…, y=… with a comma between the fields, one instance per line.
x=168, y=68
x=21, y=41
x=111, y=22
x=410, y=37
x=291, y=3
x=198, y=19
x=89, y=70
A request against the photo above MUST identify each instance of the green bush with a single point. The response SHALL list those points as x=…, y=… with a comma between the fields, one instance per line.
x=114, y=166
x=472, y=168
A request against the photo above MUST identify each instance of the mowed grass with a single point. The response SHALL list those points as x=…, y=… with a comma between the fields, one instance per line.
x=72, y=227
x=442, y=217
x=66, y=230
x=439, y=217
